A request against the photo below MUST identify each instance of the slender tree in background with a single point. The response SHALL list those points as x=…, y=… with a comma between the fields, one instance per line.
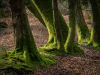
x=25, y=46
x=46, y=12
x=82, y=29
x=95, y=33
x=70, y=45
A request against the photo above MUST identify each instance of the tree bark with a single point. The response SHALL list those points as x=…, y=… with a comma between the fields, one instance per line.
x=46, y=13
x=70, y=46
x=72, y=23
x=82, y=29
x=57, y=24
x=34, y=11
x=96, y=23
x=24, y=39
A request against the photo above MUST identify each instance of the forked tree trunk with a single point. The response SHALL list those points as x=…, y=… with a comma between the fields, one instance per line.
x=24, y=39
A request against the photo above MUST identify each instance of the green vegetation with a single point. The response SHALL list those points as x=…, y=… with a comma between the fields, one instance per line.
x=45, y=16
x=95, y=33
x=61, y=40
x=82, y=29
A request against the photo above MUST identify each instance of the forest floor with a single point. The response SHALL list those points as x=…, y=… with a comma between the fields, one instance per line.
x=88, y=64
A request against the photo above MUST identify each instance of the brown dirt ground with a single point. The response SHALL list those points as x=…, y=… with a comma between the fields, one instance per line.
x=89, y=64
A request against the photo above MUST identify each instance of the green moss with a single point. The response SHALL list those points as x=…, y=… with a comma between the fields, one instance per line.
x=83, y=35
x=26, y=55
x=95, y=33
x=18, y=61
x=70, y=46
x=46, y=15
x=75, y=50
x=82, y=29
x=91, y=37
x=34, y=11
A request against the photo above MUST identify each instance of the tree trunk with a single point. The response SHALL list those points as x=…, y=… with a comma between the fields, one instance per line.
x=72, y=23
x=96, y=23
x=46, y=13
x=34, y=11
x=82, y=29
x=70, y=45
x=24, y=39
x=57, y=23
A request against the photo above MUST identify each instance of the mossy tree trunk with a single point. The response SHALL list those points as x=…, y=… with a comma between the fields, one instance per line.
x=82, y=29
x=34, y=11
x=47, y=16
x=25, y=44
x=57, y=23
x=46, y=12
x=96, y=24
x=70, y=46
x=72, y=23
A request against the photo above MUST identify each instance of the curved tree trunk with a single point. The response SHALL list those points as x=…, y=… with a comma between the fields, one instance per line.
x=82, y=29
x=34, y=11
x=70, y=45
x=96, y=24
x=72, y=23
x=46, y=13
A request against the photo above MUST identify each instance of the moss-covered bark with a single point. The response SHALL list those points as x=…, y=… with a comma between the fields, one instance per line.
x=95, y=34
x=82, y=29
x=34, y=10
x=70, y=45
x=46, y=13
x=25, y=45
x=56, y=19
